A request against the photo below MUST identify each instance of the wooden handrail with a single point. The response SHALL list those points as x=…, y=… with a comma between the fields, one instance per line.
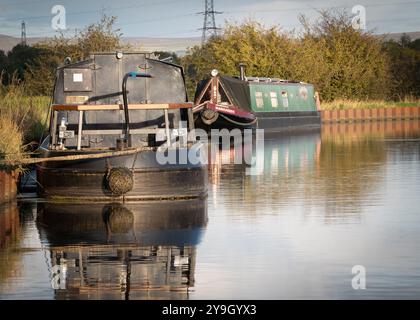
x=81, y=108
x=106, y=107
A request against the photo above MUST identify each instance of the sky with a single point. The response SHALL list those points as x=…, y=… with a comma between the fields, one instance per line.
x=179, y=18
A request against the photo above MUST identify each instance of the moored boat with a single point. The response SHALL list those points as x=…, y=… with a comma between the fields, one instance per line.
x=223, y=102
x=114, y=118
x=252, y=102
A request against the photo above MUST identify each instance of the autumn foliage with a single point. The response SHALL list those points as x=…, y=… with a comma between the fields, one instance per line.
x=342, y=63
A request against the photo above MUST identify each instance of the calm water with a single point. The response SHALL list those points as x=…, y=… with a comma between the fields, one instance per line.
x=325, y=202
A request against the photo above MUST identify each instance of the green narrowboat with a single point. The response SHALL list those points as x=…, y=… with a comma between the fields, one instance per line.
x=267, y=103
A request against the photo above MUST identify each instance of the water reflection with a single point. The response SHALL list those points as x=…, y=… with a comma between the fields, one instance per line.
x=325, y=201
x=114, y=251
x=9, y=237
x=329, y=172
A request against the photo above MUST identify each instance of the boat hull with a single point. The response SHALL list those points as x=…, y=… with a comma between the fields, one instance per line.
x=224, y=122
x=270, y=121
x=286, y=121
x=86, y=180
x=213, y=116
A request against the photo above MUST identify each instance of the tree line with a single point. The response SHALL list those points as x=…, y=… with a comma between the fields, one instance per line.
x=342, y=63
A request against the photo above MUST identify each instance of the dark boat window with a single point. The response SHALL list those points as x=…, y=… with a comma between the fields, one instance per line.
x=223, y=97
x=285, y=99
x=207, y=95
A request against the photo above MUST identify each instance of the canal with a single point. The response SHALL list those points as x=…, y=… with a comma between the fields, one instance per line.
x=324, y=205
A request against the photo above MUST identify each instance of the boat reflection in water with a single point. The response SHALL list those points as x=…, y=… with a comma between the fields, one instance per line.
x=280, y=154
x=115, y=251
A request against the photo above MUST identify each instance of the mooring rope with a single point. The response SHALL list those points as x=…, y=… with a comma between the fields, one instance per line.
x=108, y=154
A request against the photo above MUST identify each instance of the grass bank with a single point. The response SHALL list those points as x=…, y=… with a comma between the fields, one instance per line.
x=22, y=117
x=370, y=104
x=22, y=121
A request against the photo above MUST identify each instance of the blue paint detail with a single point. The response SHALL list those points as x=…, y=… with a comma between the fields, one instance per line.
x=134, y=74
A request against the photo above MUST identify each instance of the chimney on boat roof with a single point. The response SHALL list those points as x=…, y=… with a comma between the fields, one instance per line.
x=242, y=71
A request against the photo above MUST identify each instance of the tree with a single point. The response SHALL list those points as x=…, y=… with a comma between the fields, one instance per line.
x=15, y=64
x=3, y=66
x=166, y=54
x=97, y=37
x=404, y=67
x=340, y=61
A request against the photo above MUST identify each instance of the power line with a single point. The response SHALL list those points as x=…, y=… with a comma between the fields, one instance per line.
x=172, y=17
x=209, y=26
x=379, y=4
x=111, y=9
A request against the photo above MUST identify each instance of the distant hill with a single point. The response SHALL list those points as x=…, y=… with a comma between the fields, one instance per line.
x=7, y=42
x=397, y=36
x=177, y=45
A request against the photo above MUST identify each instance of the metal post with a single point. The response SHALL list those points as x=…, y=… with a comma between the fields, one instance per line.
x=191, y=125
x=126, y=113
x=82, y=278
x=125, y=101
x=79, y=131
x=168, y=135
x=54, y=129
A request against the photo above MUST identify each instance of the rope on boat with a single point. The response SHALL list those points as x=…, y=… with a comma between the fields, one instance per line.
x=76, y=157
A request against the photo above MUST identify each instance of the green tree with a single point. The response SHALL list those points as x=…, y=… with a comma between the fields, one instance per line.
x=340, y=61
x=17, y=61
x=97, y=37
x=166, y=54
x=3, y=66
x=405, y=68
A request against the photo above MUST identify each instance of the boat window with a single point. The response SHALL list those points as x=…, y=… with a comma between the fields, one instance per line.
x=274, y=101
x=223, y=98
x=285, y=99
x=206, y=96
x=259, y=99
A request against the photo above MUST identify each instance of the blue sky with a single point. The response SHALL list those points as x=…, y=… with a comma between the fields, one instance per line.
x=171, y=18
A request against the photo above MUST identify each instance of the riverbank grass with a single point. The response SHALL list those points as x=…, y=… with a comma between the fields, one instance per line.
x=22, y=121
x=370, y=104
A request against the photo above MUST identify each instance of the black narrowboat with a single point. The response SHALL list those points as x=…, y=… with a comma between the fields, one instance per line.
x=114, y=117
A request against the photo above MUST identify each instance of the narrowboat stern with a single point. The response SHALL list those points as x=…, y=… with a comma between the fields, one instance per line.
x=121, y=130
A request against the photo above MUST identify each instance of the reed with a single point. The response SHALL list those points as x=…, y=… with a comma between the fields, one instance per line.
x=341, y=104
x=22, y=121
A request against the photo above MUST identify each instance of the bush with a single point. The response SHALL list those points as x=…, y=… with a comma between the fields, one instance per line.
x=340, y=61
x=404, y=67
